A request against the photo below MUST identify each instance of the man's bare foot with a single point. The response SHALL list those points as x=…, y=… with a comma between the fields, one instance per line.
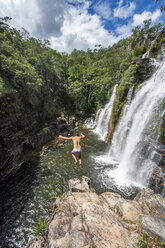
x=76, y=162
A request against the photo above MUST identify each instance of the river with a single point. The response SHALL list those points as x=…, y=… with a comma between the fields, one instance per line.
x=27, y=195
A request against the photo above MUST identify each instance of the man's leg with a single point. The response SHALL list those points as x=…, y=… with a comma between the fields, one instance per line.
x=75, y=159
x=79, y=159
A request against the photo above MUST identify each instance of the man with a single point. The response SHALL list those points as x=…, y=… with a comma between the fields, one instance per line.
x=76, y=146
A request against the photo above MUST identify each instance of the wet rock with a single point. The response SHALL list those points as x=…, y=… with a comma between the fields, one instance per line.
x=144, y=68
x=154, y=226
x=111, y=132
x=156, y=181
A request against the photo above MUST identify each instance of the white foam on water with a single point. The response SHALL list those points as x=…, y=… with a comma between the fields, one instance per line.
x=104, y=159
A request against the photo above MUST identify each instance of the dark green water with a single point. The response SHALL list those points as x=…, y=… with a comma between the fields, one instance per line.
x=26, y=196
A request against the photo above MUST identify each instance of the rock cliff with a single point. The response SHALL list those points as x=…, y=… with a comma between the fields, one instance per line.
x=83, y=219
x=19, y=144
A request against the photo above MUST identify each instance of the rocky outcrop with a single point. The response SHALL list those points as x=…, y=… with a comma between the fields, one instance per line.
x=83, y=219
x=111, y=132
x=154, y=226
x=20, y=145
x=144, y=69
x=156, y=181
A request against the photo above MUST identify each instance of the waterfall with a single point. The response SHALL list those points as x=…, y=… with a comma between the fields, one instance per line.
x=120, y=134
x=91, y=122
x=134, y=144
x=103, y=117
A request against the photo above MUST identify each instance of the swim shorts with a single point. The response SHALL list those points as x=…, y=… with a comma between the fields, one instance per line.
x=76, y=151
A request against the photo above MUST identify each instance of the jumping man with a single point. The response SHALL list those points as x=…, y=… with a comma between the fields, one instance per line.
x=76, y=146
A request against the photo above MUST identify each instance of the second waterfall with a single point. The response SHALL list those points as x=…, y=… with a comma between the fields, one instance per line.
x=102, y=121
x=135, y=150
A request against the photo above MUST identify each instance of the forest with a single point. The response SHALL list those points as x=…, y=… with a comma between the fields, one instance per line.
x=37, y=83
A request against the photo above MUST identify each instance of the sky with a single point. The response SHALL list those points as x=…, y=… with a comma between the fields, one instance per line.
x=80, y=24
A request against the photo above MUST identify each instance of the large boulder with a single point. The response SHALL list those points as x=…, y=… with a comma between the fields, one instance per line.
x=84, y=219
x=154, y=226
x=153, y=204
x=127, y=209
x=156, y=181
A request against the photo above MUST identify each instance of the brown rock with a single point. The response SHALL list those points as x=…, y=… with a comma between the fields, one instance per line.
x=154, y=226
x=75, y=185
x=37, y=243
x=156, y=181
x=112, y=198
x=104, y=227
x=128, y=210
x=84, y=219
x=153, y=204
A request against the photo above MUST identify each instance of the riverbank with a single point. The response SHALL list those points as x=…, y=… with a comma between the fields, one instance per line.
x=82, y=218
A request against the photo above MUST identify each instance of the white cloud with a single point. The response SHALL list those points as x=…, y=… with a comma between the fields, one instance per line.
x=138, y=19
x=67, y=25
x=24, y=13
x=38, y=17
x=102, y=8
x=124, y=31
x=82, y=31
x=124, y=11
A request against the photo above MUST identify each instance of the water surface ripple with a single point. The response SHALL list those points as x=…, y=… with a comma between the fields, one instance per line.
x=26, y=196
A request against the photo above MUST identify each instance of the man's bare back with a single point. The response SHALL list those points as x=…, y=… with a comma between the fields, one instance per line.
x=76, y=146
x=76, y=142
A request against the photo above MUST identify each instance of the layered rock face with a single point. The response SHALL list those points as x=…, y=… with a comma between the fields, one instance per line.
x=19, y=145
x=83, y=219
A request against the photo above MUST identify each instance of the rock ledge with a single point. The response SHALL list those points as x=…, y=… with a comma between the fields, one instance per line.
x=83, y=219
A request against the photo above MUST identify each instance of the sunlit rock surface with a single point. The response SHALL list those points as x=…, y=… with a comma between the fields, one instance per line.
x=154, y=226
x=83, y=219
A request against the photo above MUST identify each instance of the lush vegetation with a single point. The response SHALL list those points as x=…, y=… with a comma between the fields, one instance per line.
x=45, y=82
x=37, y=82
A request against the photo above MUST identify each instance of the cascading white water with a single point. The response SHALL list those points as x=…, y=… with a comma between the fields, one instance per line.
x=132, y=142
x=102, y=123
x=120, y=134
x=91, y=122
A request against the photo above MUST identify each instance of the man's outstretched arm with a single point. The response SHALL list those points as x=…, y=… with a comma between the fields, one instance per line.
x=67, y=138
x=82, y=135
